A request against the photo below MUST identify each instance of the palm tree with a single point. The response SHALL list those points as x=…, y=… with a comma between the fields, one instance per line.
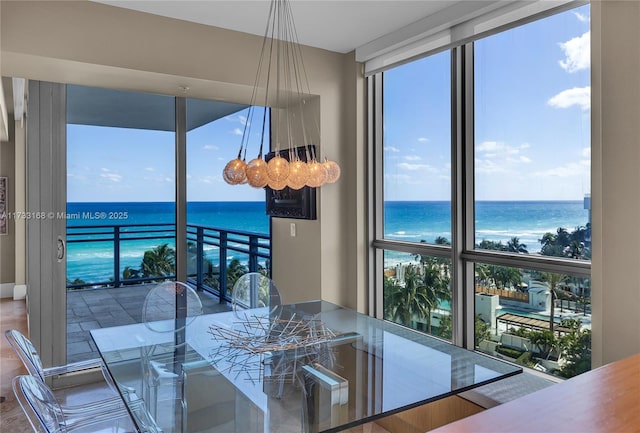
x=434, y=288
x=576, y=249
x=482, y=274
x=159, y=262
x=129, y=273
x=553, y=280
x=408, y=301
x=491, y=245
x=235, y=270
x=441, y=240
x=514, y=246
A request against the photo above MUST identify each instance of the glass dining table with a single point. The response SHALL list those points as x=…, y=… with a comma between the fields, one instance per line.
x=307, y=367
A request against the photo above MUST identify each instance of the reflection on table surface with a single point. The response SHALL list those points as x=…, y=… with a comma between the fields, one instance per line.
x=246, y=373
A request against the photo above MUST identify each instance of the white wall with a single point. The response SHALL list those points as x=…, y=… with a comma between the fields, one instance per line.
x=615, y=156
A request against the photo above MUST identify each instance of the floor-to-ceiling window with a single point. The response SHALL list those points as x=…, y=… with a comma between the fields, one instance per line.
x=417, y=192
x=125, y=152
x=228, y=229
x=485, y=193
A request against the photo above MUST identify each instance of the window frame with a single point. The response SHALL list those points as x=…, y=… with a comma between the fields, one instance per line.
x=462, y=252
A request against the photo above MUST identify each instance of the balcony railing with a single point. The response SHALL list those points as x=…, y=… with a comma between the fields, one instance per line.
x=210, y=253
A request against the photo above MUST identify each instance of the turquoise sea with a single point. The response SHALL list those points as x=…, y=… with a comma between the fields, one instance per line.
x=408, y=221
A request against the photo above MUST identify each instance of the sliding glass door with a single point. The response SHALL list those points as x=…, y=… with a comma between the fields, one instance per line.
x=120, y=211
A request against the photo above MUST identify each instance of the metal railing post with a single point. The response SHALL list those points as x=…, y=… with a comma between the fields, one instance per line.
x=253, y=254
x=223, y=266
x=200, y=257
x=116, y=256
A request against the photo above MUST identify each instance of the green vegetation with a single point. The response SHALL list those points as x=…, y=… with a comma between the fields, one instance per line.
x=509, y=351
x=576, y=349
x=573, y=348
x=425, y=285
x=482, y=330
x=159, y=262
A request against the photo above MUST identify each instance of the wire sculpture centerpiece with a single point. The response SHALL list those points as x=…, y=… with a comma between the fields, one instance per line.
x=262, y=348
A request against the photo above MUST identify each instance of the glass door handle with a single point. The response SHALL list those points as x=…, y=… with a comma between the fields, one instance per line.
x=61, y=249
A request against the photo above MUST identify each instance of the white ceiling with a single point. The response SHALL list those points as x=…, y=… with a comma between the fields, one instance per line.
x=335, y=25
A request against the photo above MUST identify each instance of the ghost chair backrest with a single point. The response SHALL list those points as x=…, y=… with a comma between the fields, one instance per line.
x=26, y=351
x=170, y=307
x=45, y=414
x=39, y=404
x=254, y=290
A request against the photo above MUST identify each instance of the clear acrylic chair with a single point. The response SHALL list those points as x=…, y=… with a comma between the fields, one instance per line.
x=45, y=414
x=167, y=310
x=28, y=354
x=254, y=290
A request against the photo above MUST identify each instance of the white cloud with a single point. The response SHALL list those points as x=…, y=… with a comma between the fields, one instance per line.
x=76, y=176
x=423, y=139
x=404, y=179
x=412, y=158
x=488, y=146
x=237, y=131
x=149, y=169
x=499, y=149
x=567, y=170
x=207, y=179
x=580, y=96
x=415, y=167
x=577, y=53
x=391, y=149
x=586, y=153
x=581, y=17
x=494, y=157
x=210, y=147
x=113, y=177
x=488, y=166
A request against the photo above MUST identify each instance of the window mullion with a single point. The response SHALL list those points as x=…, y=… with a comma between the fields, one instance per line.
x=376, y=182
x=468, y=170
x=462, y=194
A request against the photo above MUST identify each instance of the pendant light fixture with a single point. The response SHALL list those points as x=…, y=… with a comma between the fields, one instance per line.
x=281, y=60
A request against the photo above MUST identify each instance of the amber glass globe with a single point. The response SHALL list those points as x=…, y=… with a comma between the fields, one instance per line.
x=333, y=170
x=277, y=185
x=234, y=172
x=278, y=169
x=317, y=174
x=298, y=174
x=257, y=175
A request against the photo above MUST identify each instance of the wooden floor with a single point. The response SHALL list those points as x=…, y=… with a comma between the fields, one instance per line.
x=13, y=315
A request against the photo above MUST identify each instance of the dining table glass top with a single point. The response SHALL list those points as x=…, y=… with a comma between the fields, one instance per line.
x=307, y=367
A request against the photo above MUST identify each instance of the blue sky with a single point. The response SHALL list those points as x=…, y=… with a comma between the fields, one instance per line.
x=532, y=117
x=532, y=130
x=121, y=164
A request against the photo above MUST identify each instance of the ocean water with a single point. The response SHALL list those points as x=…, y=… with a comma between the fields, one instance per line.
x=408, y=221
x=494, y=220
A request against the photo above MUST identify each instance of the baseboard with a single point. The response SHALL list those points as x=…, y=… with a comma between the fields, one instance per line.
x=19, y=292
x=6, y=290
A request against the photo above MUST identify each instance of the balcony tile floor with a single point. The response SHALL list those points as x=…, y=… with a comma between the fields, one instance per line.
x=89, y=309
